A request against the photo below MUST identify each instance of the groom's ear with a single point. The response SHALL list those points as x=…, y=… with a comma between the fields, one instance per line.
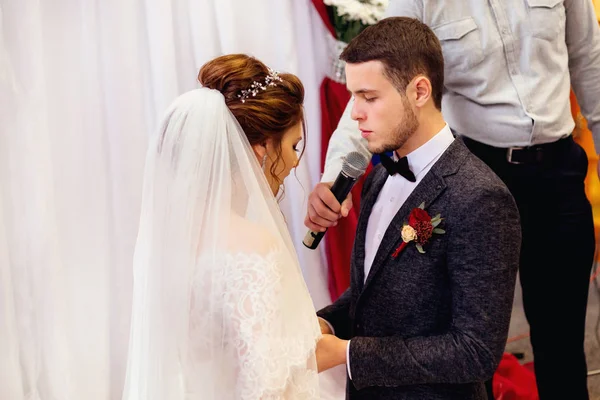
x=422, y=90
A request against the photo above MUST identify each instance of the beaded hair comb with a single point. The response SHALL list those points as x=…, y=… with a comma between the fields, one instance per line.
x=256, y=86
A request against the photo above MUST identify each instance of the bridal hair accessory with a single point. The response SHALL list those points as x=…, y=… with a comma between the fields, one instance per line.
x=257, y=86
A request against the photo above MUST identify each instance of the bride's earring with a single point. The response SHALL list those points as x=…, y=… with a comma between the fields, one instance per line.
x=264, y=162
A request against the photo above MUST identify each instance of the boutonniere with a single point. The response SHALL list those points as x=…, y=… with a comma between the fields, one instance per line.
x=419, y=229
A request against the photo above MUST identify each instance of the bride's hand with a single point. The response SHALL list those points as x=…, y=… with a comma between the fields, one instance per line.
x=331, y=352
x=325, y=329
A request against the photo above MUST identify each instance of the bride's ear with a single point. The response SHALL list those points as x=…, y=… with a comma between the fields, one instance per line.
x=260, y=150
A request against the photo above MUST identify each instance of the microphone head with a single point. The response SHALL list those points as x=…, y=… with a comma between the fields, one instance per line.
x=355, y=164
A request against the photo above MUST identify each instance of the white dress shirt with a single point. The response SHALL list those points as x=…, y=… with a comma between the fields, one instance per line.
x=394, y=193
x=396, y=190
x=509, y=66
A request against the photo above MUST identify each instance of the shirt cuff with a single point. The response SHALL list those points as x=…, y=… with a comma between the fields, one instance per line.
x=332, y=170
x=329, y=325
x=348, y=360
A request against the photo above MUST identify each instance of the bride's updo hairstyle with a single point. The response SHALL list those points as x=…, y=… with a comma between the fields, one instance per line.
x=264, y=113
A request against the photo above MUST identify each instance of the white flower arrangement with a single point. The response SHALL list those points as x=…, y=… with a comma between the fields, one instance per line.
x=365, y=11
x=349, y=18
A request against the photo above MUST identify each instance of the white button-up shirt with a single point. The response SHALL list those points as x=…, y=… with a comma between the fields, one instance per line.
x=509, y=66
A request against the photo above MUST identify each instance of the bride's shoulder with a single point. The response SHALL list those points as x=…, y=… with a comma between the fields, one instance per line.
x=246, y=236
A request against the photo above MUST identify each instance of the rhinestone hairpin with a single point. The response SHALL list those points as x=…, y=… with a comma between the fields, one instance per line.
x=270, y=80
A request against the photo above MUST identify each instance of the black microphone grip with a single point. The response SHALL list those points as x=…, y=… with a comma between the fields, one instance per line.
x=340, y=189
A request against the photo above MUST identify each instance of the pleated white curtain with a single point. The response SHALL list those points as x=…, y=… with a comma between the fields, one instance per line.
x=82, y=84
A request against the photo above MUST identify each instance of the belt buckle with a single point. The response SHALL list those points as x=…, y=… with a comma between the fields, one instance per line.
x=509, y=154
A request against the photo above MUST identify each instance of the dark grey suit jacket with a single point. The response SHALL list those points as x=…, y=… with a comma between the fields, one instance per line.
x=433, y=326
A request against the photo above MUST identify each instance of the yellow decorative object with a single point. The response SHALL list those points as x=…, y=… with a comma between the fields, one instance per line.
x=583, y=136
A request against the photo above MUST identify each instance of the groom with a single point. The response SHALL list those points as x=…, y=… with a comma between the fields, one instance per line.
x=437, y=245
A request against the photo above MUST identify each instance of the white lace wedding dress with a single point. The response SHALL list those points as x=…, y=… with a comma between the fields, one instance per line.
x=220, y=308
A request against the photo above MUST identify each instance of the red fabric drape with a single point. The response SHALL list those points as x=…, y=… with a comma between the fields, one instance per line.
x=338, y=245
x=322, y=10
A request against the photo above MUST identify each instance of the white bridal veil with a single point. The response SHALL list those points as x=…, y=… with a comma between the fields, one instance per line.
x=220, y=308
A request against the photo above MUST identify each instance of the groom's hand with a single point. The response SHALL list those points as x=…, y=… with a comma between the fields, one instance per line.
x=323, y=208
x=331, y=352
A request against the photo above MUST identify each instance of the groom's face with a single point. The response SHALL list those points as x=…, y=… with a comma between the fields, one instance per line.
x=385, y=116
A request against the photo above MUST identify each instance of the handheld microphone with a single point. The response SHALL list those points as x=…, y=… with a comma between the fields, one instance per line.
x=355, y=164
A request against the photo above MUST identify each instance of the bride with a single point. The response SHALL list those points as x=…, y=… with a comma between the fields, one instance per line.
x=220, y=308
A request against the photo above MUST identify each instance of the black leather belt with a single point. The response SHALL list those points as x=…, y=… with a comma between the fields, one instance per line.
x=530, y=155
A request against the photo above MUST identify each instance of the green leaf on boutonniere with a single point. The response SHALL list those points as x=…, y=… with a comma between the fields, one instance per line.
x=422, y=206
x=436, y=222
x=420, y=249
x=439, y=216
x=439, y=231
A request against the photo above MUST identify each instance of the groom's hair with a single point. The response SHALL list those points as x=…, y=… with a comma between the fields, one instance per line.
x=406, y=47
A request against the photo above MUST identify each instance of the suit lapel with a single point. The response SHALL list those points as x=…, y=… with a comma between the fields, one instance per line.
x=427, y=191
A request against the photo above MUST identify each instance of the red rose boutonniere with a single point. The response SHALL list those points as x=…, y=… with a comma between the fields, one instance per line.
x=420, y=229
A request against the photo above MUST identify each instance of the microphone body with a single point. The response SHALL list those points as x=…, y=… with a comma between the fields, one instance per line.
x=341, y=187
x=354, y=166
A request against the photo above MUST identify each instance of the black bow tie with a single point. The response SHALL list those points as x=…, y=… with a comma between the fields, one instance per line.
x=397, y=167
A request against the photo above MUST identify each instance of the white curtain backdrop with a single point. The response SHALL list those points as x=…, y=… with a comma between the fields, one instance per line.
x=82, y=84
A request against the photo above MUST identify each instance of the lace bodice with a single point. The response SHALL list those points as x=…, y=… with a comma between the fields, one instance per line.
x=267, y=351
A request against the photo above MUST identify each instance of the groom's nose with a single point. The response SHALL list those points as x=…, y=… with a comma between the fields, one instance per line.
x=357, y=112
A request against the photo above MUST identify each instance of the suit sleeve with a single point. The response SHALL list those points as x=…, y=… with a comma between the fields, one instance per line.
x=338, y=315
